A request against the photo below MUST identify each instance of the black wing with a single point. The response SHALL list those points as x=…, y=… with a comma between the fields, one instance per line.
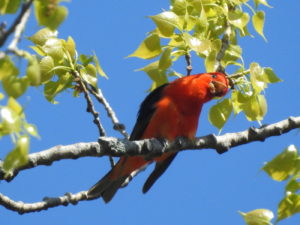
x=146, y=112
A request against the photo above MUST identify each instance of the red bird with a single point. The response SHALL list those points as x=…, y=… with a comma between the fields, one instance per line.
x=170, y=111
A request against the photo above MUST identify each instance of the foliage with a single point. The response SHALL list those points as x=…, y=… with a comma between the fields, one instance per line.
x=53, y=66
x=196, y=27
x=208, y=29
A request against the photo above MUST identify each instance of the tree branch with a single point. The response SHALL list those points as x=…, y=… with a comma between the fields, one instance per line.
x=189, y=67
x=149, y=148
x=111, y=114
x=224, y=46
x=5, y=35
x=47, y=203
x=154, y=147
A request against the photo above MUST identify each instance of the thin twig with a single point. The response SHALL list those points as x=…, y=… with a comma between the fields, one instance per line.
x=5, y=35
x=154, y=147
x=18, y=31
x=224, y=46
x=110, y=112
x=90, y=105
x=92, y=110
x=189, y=67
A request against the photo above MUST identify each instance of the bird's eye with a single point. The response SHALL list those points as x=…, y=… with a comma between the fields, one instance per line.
x=214, y=76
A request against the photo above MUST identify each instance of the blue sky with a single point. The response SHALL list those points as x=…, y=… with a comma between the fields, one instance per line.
x=200, y=187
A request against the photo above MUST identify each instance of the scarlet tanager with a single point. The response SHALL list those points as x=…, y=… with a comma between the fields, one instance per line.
x=170, y=111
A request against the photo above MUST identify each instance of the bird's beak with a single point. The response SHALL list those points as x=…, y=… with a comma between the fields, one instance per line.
x=217, y=88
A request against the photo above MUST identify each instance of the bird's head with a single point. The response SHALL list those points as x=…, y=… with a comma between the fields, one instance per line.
x=217, y=83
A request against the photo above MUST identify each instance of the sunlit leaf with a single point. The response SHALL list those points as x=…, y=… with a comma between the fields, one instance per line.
x=52, y=89
x=165, y=60
x=257, y=77
x=258, y=21
x=46, y=65
x=258, y=217
x=264, y=2
x=199, y=46
x=70, y=46
x=11, y=121
x=49, y=17
x=238, y=19
x=210, y=62
x=14, y=106
x=33, y=71
x=255, y=108
x=31, y=129
x=7, y=68
x=270, y=76
x=54, y=48
x=149, y=48
x=238, y=100
x=40, y=37
x=293, y=185
x=9, y=6
x=89, y=78
x=19, y=156
x=283, y=165
x=98, y=67
x=289, y=206
x=179, y=7
x=15, y=86
x=219, y=113
x=158, y=76
x=166, y=23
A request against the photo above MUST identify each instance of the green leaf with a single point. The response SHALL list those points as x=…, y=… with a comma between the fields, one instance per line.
x=165, y=60
x=9, y=6
x=11, y=121
x=14, y=106
x=270, y=76
x=89, y=78
x=15, y=86
x=158, y=76
x=238, y=100
x=219, y=113
x=166, y=23
x=33, y=71
x=38, y=49
x=40, y=37
x=197, y=45
x=49, y=14
x=85, y=59
x=293, y=185
x=98, y=67
x=258, y=21
x=257, y=77
x=52, y=89
x=288, y=206
x=149, y=48
x=255, y=108
x=7, y=68
x=46, y=66
x=258, y=217
x=19, y=156
x=31, y=129
x=91, y=70
x=210, y=62
x=70, y=46
x=284, y=165
x=54, y=48
x=179, y=7
x=232, y=54
x=238, y=19
x=264, y=2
